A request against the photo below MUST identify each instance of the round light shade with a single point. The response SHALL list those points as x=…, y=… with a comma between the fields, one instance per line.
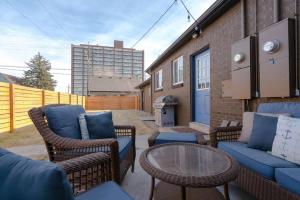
x=271, y=46
x=238, y=58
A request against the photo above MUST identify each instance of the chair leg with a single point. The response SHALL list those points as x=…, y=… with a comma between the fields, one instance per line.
x=132, y=167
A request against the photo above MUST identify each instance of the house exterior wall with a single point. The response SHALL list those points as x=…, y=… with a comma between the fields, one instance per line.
x=218, y=36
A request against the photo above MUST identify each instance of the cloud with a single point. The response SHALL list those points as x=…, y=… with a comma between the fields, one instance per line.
x=89, y=22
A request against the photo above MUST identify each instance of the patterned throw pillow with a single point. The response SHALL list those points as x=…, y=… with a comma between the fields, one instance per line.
x=83, y=127
x=287, y=139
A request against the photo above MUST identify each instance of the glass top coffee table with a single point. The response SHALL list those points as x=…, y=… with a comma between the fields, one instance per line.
x=189, y=166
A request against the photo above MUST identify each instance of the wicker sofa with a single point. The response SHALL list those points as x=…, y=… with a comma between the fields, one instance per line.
x=261, y=173
x=82, y=178
x=121, y=150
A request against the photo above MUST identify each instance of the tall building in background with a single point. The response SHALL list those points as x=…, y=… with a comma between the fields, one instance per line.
x=89, y=61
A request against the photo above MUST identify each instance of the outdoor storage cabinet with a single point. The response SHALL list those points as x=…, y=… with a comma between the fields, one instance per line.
x=164, y=111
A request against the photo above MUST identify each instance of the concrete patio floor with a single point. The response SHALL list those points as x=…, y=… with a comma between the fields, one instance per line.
x=137, y=184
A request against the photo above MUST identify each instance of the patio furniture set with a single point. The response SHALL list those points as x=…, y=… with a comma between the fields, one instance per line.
x=90, y=157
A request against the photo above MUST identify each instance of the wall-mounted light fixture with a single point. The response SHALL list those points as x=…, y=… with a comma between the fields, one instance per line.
x=271, y=46
x=238, y=58
x=197, y=32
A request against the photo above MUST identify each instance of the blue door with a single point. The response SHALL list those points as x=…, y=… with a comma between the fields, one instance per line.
x=202, y=88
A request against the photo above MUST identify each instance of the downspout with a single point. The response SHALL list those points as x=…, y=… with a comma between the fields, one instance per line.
x=245, y=103
x=243, y=19
x=297, y=47
x=257, y=50
x=277, y=9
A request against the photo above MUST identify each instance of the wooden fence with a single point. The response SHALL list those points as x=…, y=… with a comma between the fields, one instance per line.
x=16, y=100
x=112, y=102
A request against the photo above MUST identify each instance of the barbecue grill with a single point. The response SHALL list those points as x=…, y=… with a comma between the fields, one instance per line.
x=164, y=107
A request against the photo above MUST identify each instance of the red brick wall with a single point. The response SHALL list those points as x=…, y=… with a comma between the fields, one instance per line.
x=219, y=36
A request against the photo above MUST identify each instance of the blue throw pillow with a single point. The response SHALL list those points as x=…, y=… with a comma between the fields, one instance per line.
x=263, y=132
x=100, y=126
x=83, y=127
x=63, y=120
x=26, y=179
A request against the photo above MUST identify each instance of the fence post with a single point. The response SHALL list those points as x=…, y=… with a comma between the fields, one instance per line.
x=12, y=107
x=70, y=99
x=58, y=98
x=136, y=102
x=77, y=99
x=43, y=97
x=84, y=101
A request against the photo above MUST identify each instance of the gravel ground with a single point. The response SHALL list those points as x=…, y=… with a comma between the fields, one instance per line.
x=29, y=135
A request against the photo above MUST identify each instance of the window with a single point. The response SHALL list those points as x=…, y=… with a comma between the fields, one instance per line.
x=203, y=72
x=177, y=69
x=158, y=80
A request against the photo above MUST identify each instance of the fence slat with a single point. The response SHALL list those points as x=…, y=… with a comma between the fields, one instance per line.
x=12, y=106
x=16, y=101
x=112, y=102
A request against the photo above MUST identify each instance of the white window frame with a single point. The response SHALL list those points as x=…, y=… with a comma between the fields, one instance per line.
x=158, y=80
x=203, y=72
x=177, y=66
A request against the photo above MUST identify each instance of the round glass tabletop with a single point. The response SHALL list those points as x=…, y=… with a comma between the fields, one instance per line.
x=189, y=160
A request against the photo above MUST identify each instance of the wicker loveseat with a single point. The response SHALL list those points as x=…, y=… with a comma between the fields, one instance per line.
x=121, y=150
x=262, y=175
x=82, y=178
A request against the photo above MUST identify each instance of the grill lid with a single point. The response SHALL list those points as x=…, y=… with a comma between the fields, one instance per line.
x=164, y=101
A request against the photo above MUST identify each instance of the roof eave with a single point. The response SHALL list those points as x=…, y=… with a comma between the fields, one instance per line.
x=210, y=15
x=144, y=83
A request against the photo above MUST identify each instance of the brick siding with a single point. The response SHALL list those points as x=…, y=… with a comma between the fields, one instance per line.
x=219, y=36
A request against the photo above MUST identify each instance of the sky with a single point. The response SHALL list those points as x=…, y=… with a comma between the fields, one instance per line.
x=50, y=27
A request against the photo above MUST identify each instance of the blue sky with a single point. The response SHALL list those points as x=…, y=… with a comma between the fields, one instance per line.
x=50, y=27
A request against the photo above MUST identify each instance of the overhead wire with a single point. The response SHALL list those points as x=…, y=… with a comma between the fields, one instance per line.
x=154, y=24
x=29, y=19
x=25, y=67
x=187, y=10
x=23, y=70
x=54, y=19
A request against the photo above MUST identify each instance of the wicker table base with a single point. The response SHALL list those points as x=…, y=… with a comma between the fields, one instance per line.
x=165, y=191
x=188, y=166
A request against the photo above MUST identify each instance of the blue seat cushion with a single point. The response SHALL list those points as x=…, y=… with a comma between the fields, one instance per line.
x=100, y=125
x=292, y=108
x=169, y=137
x=26, y=179
x=63, y=120
x=106, y=191
x=289, y=178
x=125, y=143
x=259, y=161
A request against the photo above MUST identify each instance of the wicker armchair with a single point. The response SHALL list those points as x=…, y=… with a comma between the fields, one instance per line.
x=87, y=171
x=230, y=133
x=60, y=148
x=248, y=180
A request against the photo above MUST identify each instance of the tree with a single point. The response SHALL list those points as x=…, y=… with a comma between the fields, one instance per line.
x=39, y=76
